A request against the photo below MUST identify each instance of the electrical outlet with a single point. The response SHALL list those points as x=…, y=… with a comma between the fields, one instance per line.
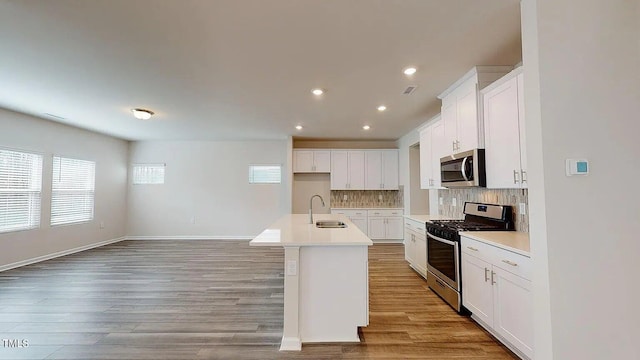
x=101, y=224
x=345, y=197
x=292, y=268
x=523, y=209
x=454, y=202
x=193, y=220
x=380, y=197
x=441, y=200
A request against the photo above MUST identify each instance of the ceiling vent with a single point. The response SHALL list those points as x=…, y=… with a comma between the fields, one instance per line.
x=410, y=89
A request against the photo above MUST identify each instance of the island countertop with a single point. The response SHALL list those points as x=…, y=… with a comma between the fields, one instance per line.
x=295, y=230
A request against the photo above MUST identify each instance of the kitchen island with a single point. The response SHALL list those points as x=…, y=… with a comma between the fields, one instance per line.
x=326, y=288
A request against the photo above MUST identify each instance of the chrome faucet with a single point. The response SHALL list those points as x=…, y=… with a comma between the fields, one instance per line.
x=311, y=207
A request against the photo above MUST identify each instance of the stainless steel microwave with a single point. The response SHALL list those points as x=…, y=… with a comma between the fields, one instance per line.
x=464, y=169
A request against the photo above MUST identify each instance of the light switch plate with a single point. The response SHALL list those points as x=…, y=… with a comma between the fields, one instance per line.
x=345, y=197
x=454, y=202
x=441, y=200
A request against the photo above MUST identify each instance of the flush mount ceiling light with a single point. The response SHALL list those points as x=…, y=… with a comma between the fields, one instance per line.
x=142, y=114
x=410, y=71
x=366, y=127
x=298, y=127
x=382, y=108
x=317, y=92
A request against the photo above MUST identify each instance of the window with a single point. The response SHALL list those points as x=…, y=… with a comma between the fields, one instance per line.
x=72, y=195
x=265, y=174
x=148, y=174
x=20, y=189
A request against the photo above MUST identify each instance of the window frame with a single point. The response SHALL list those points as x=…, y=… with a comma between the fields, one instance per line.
x=133, y=173
x=35, y=221
x=53, y=192
x=252, y=180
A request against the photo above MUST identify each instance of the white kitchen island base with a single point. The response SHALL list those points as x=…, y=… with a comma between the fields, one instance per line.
x=326, y=288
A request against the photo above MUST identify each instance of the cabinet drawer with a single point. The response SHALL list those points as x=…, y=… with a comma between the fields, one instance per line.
x=349, y=212
x=478, y=249
x=385, y=212
x=514, y=263
x=416, y=226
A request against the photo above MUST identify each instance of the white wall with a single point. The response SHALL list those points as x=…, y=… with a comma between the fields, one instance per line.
x=208, y=182
x=307, y=185
x=419, y=197
x=404, y=143
x=27, y=133
x=582, y=99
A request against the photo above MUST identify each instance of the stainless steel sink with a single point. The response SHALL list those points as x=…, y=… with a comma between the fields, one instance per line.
x=330, y=224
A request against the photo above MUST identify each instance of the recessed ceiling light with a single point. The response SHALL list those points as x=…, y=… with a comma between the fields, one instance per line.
x=410, y=71
x=142, y=114
x=366, y=127
x=317, y=92
x=382, y=108
x=298, y=127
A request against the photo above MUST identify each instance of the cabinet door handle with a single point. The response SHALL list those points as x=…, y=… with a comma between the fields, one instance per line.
x=493, y=282
x=486, y=274
x=472, y=248
x=510, y=262
x=523, y=175
x=515, y=176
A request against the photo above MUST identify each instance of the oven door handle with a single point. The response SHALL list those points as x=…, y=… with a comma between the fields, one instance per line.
x=464, y=168
x=441, y=239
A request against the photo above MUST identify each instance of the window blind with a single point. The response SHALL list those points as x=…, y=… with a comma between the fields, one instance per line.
x=20, y=190
x=265, y=174
x=73, y=190
x=148, y=174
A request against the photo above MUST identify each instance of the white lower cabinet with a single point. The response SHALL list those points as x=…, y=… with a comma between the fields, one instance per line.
x=496, y=288
x=357, y=216
x=415, y=245
x=385, y=224
x=377, y=224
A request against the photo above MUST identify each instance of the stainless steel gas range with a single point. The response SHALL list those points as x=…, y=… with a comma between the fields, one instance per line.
x=443, y=246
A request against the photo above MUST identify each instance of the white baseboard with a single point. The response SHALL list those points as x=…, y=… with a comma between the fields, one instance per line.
x=190, y=237
x=59, y=254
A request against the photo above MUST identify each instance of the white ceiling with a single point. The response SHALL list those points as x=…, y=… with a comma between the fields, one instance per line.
x=243, y=69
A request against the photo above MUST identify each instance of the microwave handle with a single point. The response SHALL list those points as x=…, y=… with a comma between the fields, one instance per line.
x=464, y=168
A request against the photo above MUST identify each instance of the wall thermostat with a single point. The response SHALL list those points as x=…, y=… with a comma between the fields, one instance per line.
x=577, y=167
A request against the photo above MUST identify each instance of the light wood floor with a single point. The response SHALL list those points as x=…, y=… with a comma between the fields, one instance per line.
x=213, y=300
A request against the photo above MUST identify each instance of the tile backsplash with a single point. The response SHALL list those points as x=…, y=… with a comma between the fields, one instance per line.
x=511, y=197
x=367, y=198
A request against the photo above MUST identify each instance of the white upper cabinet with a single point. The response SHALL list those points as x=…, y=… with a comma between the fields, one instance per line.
x=347, y=170
x=460, y=109
x=431, y=150
x=311, y=161
x=381, y=169
x=505, y=133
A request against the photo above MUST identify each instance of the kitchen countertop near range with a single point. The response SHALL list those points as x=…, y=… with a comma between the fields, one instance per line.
x=425, y=218
x=515, y=241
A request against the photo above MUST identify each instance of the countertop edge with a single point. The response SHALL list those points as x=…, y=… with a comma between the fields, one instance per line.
x=479, y=237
